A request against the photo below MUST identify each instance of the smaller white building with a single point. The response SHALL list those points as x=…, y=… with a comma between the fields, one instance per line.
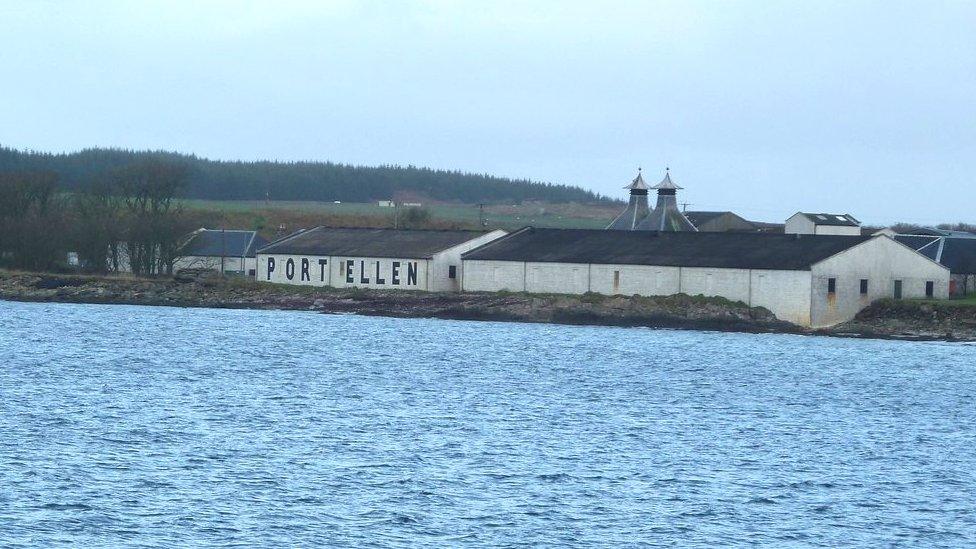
x=221, y=250
x=823, y=223
x=387, y=259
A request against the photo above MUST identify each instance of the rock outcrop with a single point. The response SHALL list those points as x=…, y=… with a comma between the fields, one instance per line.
x=921, y=320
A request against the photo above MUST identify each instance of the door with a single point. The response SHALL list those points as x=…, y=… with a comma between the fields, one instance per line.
x=898, y=289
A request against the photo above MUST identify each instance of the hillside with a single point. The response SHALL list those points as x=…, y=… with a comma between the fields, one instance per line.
x=319, y=181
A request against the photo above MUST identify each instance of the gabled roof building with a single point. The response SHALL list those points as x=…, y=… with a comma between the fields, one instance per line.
x=370, y=258
x=823, y=223
x=809, y=280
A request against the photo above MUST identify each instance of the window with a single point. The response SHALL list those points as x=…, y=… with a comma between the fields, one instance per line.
x=831, y=285
x=452, y=271
x=929, y=288
x=898, y=289
x=250, y=272
x=864, y=286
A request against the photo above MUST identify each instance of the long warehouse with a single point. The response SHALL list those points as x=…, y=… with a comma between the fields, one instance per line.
x=370, y=258
x=809, y=280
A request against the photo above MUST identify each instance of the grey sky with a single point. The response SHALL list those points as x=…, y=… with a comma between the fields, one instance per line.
x=761, y=107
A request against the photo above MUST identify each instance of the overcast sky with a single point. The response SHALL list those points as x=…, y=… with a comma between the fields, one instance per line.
x=762, y=107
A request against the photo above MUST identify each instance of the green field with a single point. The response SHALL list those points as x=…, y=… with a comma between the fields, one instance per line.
x=968, y=301
x=508, y=217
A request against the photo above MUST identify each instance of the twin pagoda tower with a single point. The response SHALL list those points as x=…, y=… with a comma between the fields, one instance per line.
x=664, y=217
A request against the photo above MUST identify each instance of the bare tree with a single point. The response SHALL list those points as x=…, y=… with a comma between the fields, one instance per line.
x=152, y=214
x=98, y=227
x=32, y=223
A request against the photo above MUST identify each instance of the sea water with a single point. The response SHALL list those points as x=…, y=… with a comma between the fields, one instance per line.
x=168, y=427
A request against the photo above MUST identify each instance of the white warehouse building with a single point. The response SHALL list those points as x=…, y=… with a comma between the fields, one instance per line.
x=370, y=258
x=809, y=280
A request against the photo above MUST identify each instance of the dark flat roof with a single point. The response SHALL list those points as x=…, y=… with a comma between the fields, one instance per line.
x=370, y=242
x=676, y=249
x=227, y=243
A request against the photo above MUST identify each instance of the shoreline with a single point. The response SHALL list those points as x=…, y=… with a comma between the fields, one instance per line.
x=914, y=321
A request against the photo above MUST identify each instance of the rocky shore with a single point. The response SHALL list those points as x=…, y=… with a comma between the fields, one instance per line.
x=903, y=320
x=916, y=320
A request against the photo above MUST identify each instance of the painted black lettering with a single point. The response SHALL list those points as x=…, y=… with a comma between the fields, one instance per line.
x=322, y=264
x=305, y=275
x=349, y=279
x=271, y=266
x=378, y=279
x=412, y=273
x=395, y=279
x=362, y=273
x=290, y=269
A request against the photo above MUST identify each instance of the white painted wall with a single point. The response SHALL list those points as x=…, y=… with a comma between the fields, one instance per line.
x=344, y=272
x=493, y=276
x=557, y=278
x=372, y=272
x=838, y=230
x=634, y=279
x=799, y=224
x=785, y=293
x=440, y=280
x=881, y=261
x=728, y=283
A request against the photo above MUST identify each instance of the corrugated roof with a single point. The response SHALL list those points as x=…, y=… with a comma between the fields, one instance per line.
x=361, y=242
x=227, y=243
x=684, y=249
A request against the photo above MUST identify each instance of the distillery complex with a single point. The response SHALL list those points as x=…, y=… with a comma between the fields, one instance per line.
x=815, y=270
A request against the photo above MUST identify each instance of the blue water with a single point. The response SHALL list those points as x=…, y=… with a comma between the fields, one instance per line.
x=165, y=427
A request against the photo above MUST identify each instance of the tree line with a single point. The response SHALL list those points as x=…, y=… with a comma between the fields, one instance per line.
x=127, y=219
x=319, y=181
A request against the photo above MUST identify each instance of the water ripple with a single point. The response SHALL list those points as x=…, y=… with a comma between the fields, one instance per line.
x=163, y=427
